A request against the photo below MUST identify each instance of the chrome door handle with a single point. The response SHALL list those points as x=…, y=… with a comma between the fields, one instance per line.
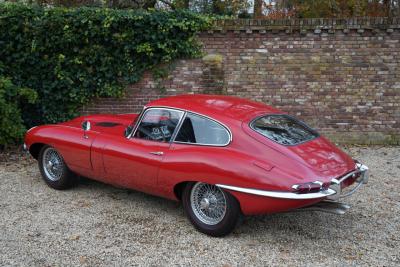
x=157, y=153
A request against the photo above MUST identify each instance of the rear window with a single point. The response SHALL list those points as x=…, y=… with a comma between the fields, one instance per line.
x=283, y=129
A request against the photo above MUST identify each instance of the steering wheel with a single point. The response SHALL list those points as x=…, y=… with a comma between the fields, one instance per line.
x=163, y=135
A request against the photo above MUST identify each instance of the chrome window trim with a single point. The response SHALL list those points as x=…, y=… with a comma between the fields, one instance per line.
x=145, y=110
x=202, y=144
x=138, y=119
x=180, y=124
x=178, y=127
x=291, y=117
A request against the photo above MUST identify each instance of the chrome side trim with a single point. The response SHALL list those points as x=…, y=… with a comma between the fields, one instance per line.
x=279, y=194
x=334, y=191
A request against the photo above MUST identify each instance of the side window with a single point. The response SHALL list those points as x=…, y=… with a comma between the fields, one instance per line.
x=197, y=129
x=158, y=124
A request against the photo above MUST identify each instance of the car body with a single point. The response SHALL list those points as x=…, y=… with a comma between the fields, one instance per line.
x=232, y=144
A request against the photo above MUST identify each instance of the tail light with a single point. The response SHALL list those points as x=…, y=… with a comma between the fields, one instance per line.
x=311, y=187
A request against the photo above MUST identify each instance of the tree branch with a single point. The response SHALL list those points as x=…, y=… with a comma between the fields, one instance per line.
x=168, y=3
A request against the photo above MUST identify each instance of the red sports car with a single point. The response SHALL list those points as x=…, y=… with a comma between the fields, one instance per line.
x=221, y=156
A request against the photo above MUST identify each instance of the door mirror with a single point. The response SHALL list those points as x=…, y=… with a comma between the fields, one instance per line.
x=86, y=125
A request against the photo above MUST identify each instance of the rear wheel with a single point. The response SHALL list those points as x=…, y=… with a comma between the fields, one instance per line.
x=54, y=170
x=210, y=209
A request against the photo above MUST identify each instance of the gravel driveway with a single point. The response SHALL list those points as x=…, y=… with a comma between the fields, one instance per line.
x=99, y=225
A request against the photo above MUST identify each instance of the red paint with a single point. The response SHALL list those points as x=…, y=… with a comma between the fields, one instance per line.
x=250, y=160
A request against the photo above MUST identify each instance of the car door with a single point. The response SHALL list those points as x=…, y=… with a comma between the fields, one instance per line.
x=134, y=161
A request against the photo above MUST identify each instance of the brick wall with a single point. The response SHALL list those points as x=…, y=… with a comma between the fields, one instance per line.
x=340, y=76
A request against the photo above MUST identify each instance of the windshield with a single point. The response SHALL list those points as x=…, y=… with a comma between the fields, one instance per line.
x=283, y=129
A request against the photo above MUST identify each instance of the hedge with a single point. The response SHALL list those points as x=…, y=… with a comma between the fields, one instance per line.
x=12, y=98
x=69, y=56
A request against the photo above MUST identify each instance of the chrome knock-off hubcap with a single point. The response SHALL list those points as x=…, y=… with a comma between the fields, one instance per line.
x=52, y=164
x=208, y=203
x=205, y=204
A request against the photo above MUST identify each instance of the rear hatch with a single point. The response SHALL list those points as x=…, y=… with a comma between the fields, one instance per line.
x=299, y=142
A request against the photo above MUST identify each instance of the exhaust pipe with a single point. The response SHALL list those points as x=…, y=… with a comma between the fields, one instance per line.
x=327, y=206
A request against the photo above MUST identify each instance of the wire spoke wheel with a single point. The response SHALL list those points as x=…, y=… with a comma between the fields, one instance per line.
x=53, y=164
x=208, y=203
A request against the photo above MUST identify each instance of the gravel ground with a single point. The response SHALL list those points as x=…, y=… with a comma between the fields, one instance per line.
x=98, y=225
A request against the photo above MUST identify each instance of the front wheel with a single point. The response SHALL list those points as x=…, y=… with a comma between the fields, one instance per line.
x=54, y=170
x=211, y=210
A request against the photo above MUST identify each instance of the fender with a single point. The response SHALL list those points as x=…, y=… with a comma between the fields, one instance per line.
x=70, y=142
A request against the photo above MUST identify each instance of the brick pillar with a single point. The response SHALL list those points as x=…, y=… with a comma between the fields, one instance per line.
x=213, y=76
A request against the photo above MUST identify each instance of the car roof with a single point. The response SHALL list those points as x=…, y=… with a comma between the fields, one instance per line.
x=216, y=105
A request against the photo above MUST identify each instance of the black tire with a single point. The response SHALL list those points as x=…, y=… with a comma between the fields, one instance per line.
x=228, y=222
x=65, y=178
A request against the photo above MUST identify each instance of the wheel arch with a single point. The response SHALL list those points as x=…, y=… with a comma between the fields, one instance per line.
x=35, y=148
x=179, y=187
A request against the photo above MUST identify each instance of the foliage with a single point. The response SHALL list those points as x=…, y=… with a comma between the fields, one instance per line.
x=216, y=7
x=330, y=8
x=12, y=97
x=271, y=9
x=70, y=56
x=219, y=7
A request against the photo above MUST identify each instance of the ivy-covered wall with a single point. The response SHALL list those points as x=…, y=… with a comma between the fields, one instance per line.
x=340, y=76
x=69, y=56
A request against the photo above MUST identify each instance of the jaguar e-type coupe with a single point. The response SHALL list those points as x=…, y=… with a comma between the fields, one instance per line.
x=222, y=156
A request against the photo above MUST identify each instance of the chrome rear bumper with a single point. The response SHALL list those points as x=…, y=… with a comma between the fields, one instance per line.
x=334, y=191
x=362, y=179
